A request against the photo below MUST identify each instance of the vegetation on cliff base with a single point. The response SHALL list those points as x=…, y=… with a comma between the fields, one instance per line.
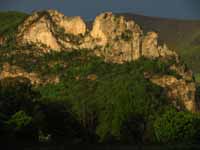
x=105, y=103
x=177, y=126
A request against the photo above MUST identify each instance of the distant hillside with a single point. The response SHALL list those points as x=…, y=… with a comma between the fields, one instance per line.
x=180, y=35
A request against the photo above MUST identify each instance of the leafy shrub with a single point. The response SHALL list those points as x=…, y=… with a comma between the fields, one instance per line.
x=19, y=120
x=127, y=35
x=16, y=94
x=20, y=127
x=175, y=126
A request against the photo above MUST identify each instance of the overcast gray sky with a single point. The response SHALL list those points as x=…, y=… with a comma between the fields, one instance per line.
x=183, y=9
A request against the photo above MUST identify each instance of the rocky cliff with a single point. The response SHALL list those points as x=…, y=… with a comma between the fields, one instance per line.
x=112, y=37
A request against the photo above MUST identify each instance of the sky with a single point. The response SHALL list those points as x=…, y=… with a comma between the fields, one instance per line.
x=88, y=9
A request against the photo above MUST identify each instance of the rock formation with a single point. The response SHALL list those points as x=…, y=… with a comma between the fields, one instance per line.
x=2, y=40
x=12, y=71
x=178, y=90
x=50, y=30
x=15, y=71
x=120, y=39
x=71, y=25
x=112, y=37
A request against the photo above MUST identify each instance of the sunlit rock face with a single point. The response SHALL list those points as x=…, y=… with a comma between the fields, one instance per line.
x=120, y=39
x=47, y=29
x=71, y=25
x=113, y=38
x=37, y=30
x=150, y=45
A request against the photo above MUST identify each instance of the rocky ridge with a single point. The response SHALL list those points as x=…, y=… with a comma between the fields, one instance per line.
x=112, y=37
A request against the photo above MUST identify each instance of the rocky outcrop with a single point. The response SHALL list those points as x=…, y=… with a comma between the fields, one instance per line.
x=12, y=71
x=151, y=49
x=37, y=30
x=118, y=38
x=15, y=71
x=112, y=37
x=47, y=29
x=180, y=86
x=92, y=77
x=179, y=91
x=2, y=40
x=71, y=25
x=182, y=71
